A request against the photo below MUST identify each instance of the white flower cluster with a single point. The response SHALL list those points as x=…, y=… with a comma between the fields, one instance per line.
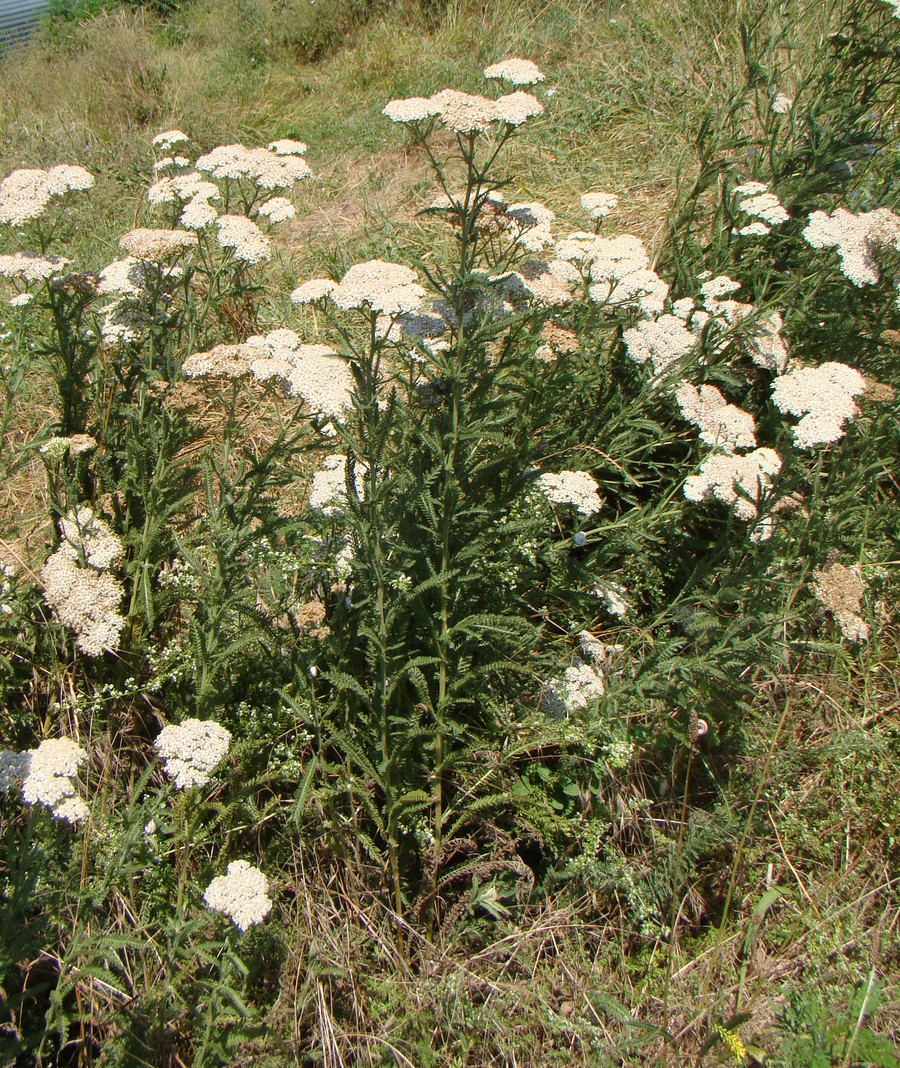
x=25, y=194
x=738, y=481
x=389, y=288
x=613, y=596
x=617, y=270
x=242, y=235
x=528, y=225
x=549, y=282
x=572, y=487
x=328, y=493
x=599, y=205
x=47, y=775
x=823, y=397
x=156, y=245
x=840, y=589
x=662, y=341
x=721, y=425
x=312, y=372
x=276, y=210
x=74, y=445
x=191, y=750
x=755, y=200
x=515, y=71
x=193, y=193
x=465, y=113
x=168, y=139
x=77, y=584
x=856, y=238
x=31, y=266
x=267, y=168
x=242, y=894
x=767, y=347
x=782, y=103
x=287, y=146
x=584, y=681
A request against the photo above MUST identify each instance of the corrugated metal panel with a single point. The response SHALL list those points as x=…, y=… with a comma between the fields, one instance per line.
x=18, y=18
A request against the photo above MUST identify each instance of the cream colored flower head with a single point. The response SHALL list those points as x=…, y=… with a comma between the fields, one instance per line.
x=25, y=194
x=242, y=894
x=823, y=397
x=576, y=488
x=738, y=481
x=598, y=205
x=31, y=266
x=840, y=589
x=287, y=147
x=278, y=209
x=156, y=245
x=721, y=424
x=242, y=235
x=515, y=71
x=191, y=750
x=165, y=140
x=411, y=109
x=46, y=775
x=661, y=341
x=389, y=288
x=857, y=239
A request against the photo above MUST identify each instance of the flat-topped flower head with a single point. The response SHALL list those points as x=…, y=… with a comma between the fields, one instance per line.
x=389, y=288
x=313, y=372
x=25, y=194
x=550, y=282
x=718, y=287
x=411, y=109
x=764, y=206
x=48, y=774
x=465, y=112
x=181, y=187
x=156, y=245
x=750, y=189
x=313, y=290
x=31, y=266
x=516, y=108
x=287, y=147
x=782, y=104
x=738, y=481
x=856, y=239
x=661, y=341
x=576, y=488
x=191, y=750
x=840, y=589
x=598, y=205
x=515, y=71
x=528, y=224
x=77, y=585
x=824, y=399
x=242, y=895
x=75, y=445
x=268, y=169
x=605, y=257
x=168, y=138
x=278, y=209
x=721, y=424
x=241, y=234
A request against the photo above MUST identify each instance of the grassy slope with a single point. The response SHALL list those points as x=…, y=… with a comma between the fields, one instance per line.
x=630, y=83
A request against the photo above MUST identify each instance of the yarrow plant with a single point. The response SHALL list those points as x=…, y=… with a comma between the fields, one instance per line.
x=476, y=541
x=192, y=750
